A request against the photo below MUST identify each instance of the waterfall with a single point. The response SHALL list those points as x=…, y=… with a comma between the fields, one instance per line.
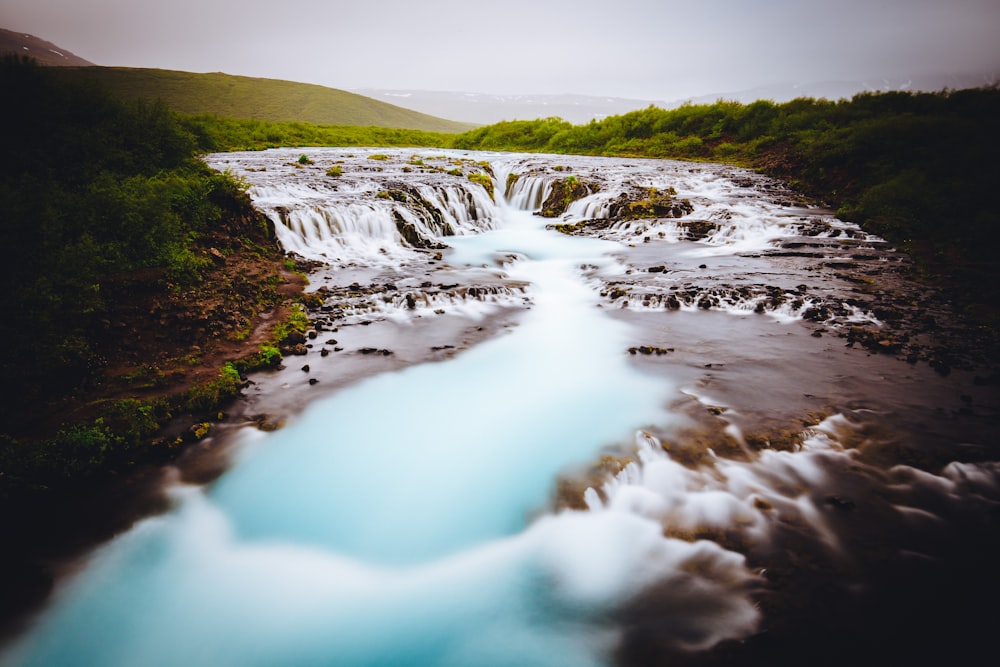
x=639, y=441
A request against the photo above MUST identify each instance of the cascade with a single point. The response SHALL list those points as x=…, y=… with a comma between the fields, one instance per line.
x=622, y=442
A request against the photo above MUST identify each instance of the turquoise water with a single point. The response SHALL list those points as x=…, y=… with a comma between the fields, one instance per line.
x=392, y=523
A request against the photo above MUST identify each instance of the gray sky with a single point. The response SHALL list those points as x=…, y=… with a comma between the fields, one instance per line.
x=643, y=49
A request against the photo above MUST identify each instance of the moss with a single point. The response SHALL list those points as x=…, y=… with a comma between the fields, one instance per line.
x=512, y=179
x=655, y=204
x=564, y=193
x=483, y=180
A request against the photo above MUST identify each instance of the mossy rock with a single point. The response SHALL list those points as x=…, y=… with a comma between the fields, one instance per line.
x=564, y=193
x=650, y=203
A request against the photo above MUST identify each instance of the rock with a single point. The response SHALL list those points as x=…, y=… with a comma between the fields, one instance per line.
x=696, y=230
x=840, y=503
x=563, y=193
x=649, y=349
x=306, y=368
x=649, y=203
x=294, y=338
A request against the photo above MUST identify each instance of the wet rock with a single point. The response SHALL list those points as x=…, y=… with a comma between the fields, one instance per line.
x=563, y=193
x=840, y=503
x=306, y=368
x=294, y=338
x=413, y=238
x=650, y=350
x=297, y=349
x=373, y=350
x=697, y=230
x=649, y=203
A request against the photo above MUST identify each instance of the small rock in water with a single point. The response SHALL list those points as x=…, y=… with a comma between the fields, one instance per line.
x=306, y=368
x=313, y=381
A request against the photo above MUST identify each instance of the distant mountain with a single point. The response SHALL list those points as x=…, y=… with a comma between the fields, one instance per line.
x=44, y=52
x=232, y=96
x=485, y=108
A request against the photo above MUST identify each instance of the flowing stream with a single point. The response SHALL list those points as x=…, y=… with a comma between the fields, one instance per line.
x=543, y=448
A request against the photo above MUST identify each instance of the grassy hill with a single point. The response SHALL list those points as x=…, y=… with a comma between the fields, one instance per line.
x=232, y=96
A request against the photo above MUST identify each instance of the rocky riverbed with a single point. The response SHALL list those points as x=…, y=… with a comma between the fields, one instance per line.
x=681, y=414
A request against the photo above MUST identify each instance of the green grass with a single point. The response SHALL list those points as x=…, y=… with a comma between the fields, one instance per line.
x=274, y=100
x=228, y=134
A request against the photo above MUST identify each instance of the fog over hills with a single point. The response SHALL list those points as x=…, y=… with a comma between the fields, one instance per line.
x=486, y=108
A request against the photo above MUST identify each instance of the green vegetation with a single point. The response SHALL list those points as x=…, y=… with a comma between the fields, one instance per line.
x=228, y=134
x=914, y=168
x=483, y=180
x=130, y=261
x=229, y=96
x=92, y=190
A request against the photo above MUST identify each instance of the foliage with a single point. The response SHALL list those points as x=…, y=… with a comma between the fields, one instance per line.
x=92, y=190
x=209, y=395
x=99, y=199
x=213, y=133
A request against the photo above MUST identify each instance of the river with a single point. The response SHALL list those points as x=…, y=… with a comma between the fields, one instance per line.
x=649, y=438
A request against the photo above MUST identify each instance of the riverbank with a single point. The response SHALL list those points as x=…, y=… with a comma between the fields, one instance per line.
x=779, y=446
x=169, y=375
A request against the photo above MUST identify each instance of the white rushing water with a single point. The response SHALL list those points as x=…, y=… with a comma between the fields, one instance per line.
x=393, y=523
x=404, y=520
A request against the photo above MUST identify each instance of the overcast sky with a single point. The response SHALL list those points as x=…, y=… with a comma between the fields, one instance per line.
x=644, y=49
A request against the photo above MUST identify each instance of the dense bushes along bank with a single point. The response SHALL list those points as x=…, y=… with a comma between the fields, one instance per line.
x=918, y=169
x=133, y=283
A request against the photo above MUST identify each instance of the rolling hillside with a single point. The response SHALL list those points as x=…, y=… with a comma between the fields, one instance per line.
x=232, y=96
